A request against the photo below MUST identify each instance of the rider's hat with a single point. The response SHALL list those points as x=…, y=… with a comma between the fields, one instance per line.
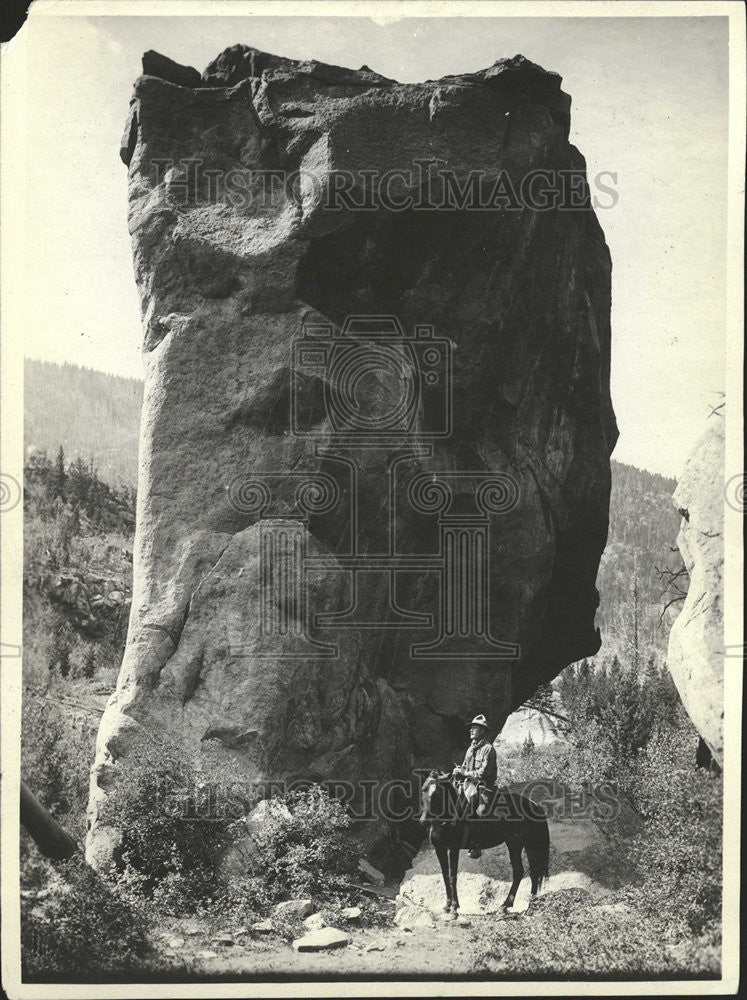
x=480, y=720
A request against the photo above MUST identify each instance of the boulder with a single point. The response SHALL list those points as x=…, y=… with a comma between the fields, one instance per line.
x=295, y=908
x=222, y=938
x=373, y=875
x=315, y=922
x=372, y=358
x=323, y=940
x=351, y=913
x=696, y=642
x=155, y=64
x=263, y=927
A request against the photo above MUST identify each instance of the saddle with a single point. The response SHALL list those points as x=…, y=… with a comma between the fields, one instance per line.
x=476, y=798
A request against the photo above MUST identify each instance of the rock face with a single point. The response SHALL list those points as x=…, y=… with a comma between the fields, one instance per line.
x=696, y=642
x=376, y=427
x=525, y=723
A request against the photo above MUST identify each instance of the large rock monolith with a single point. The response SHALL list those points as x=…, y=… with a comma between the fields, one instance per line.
x=376, y=428
x=696, y=643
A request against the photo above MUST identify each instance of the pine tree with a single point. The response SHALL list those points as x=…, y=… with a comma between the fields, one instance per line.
x=79, y=483
x=59, y=480
x=60, y=654
x=88, y=667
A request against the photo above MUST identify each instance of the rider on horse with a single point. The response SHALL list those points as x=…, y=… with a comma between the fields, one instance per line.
x=477, y=776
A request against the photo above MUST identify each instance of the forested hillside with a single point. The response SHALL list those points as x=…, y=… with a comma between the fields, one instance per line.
x=641, y=554
x=91, y=414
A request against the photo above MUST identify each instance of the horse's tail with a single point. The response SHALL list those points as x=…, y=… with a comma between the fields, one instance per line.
x=539, y=854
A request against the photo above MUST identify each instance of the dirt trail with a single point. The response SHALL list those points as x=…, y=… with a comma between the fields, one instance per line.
x=425, y=942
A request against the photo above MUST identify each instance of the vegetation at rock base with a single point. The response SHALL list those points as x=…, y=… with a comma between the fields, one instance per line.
x=631, y=729
x=176, y=824
x=170, y=843
x=667, y=919
x=305, y=850
x=55, y=759
x=80, y=928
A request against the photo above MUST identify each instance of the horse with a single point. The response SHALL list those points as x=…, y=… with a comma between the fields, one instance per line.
x=510, y=818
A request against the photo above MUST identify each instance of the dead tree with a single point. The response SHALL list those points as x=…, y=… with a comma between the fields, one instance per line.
x=676, y=583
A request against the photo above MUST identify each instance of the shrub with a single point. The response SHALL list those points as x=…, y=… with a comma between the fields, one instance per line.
x=679, y=851
x=567, y=934
x=55, y=760
x=81, y=931
x=87, y=667
x=550, y=762
x=170, y=839
x=306, y=849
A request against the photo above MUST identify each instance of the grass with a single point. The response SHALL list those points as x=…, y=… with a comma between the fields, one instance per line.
x=569, y=934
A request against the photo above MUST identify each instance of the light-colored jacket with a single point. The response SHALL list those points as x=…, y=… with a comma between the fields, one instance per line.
x=480, y=763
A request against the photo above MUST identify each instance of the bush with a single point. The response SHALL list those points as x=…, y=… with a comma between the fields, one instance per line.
x=679, y=852
x=170, y=842
x=55, y=760
x=305, y=849
x=81, y=931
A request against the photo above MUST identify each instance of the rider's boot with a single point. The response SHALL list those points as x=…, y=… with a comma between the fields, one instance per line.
x=480, y=812
x=468, y=841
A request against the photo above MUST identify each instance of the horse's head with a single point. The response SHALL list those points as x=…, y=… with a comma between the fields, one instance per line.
x=436, y=798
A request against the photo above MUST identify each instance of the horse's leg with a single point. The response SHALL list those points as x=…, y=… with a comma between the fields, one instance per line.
x=453, y=867
x=514, y=852
x=443, y=860
x=534, y=867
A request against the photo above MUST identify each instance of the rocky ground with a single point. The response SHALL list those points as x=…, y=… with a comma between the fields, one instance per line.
x=416, y=937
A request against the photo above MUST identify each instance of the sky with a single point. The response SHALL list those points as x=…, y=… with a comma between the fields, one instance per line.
x=650, y=104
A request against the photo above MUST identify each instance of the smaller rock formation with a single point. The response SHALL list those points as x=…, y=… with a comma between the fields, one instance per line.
x=526, y=722
x=696, y=642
